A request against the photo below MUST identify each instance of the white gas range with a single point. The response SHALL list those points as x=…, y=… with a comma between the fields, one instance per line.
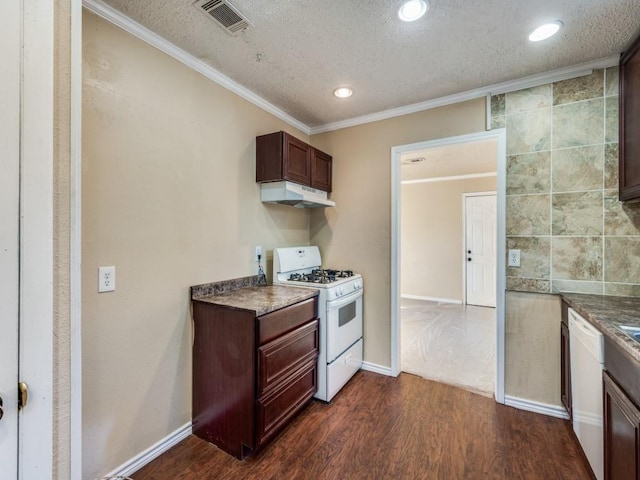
x=339, y=311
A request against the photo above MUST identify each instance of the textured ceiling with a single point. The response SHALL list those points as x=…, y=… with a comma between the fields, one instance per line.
x=451, y=160
x=309, y=47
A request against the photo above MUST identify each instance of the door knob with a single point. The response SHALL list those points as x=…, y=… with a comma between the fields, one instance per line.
x=23, y=395
x=1, y=409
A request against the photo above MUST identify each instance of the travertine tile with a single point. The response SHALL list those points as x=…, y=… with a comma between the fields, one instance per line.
x=611, y=119
x=620, y=218
x=577, y=124
x=574, y=286
x=529, y=99
x=579, y=88
x=577, y=213
x=528, y=215
x=497, y=104
x=622, y=259
x=611, y=164
x=578, y=169
x=534, y=257
x=622, y=289
x=533, y=285
x=612, y=81
x=577, y=258
x=529, y=173
x=529, y=131
x=498, y=121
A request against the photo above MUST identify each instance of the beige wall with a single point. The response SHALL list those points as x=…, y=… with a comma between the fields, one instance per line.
x=532, y=347
x=61, y=244
x=432, y=236
x=357, y=232
x=170, y=199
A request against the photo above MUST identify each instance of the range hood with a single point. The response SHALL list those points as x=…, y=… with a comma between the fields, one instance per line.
x=294, y=194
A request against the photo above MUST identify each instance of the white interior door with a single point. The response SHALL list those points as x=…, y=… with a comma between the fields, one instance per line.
x=10, y=21
x=480, y=243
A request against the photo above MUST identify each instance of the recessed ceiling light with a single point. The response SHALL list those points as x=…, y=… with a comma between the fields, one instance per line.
x=545, y=31
x=343, y=92
x=412, y=10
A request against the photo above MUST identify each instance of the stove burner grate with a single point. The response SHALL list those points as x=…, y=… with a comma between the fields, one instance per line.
x=319, y=275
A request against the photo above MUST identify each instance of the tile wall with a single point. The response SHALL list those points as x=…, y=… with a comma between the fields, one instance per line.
x=563, y=212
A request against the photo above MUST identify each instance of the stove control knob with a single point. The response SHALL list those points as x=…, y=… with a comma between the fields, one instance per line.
x=339, y=291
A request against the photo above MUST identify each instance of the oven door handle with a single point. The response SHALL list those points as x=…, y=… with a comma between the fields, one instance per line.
x=342, y=301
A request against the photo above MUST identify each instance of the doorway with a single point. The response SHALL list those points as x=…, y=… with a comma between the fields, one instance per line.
x=450, y=297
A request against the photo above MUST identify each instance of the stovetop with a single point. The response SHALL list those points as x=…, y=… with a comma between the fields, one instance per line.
x=320, y=275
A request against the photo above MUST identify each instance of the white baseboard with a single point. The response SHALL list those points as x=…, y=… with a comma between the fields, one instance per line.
x=154, y=451
x=536, y=407
x=432, y=299
x=372, y=367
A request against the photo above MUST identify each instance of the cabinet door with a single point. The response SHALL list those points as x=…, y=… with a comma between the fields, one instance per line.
x=297, y=160
x=630, y=123
x=621, y=433
x=321, y=170
x=565, y=369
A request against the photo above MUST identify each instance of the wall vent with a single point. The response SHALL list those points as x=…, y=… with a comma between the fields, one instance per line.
x=224, y=14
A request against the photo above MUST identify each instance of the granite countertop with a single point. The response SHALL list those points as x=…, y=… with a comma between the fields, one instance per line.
x=244, y=294
x=606, y=313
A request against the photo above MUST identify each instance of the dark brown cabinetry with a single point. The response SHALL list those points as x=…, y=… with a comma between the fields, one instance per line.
x=280, y=156
x=621, y=416
x=630, y=123
x=251, y=374
x=565, y=360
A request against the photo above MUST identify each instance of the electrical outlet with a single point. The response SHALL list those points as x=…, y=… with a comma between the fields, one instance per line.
x=106, y=279
x=258, y=253
x=514, y=258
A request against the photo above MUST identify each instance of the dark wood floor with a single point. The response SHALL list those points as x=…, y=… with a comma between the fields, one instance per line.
x=381, y=427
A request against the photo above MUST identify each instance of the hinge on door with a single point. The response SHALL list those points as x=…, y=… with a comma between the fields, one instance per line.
x=23, y=395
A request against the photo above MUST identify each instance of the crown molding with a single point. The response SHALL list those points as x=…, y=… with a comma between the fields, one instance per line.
x=143, y=33
x=495, y=89
x=119, y=19
x=452, y=178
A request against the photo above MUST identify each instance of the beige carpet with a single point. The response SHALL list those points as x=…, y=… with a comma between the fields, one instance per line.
x=449, y=343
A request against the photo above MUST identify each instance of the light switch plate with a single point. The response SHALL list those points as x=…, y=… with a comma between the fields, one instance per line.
x=514, y=258
x=106, y=279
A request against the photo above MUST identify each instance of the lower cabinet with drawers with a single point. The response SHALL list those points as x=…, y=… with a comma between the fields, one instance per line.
x=251, y=374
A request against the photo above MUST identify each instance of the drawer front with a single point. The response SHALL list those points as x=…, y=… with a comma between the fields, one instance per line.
x=274, y=324
x=277, y=408
x=278, y=359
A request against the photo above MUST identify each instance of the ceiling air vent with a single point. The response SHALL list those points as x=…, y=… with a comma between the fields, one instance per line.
x=411, y=161
x=224, y=14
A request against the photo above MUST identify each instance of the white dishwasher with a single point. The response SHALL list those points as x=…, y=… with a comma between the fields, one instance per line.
x=587, y=358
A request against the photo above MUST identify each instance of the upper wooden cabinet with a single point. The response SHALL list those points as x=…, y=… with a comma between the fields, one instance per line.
x=280, y=156
x=630, y=123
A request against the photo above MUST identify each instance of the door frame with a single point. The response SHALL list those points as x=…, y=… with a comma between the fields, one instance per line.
x=36, y=360
x=11, y=19
x=464, y=237
x=396, y=152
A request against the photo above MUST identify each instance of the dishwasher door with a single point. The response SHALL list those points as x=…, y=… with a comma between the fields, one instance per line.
x=586, y=347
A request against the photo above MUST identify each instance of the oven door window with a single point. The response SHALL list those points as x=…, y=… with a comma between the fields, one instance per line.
x=346, y=314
